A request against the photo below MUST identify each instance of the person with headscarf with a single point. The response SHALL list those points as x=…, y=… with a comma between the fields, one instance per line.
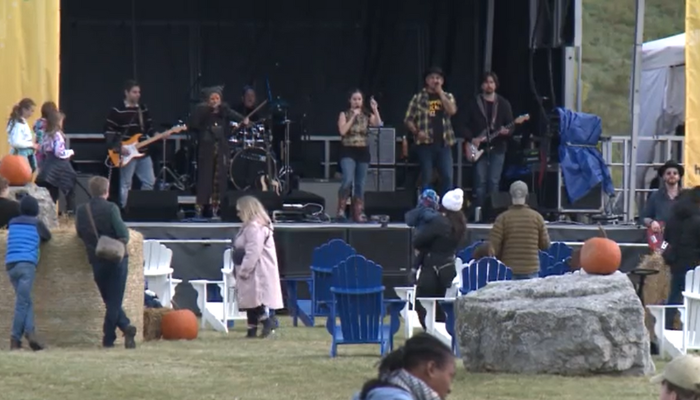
x=439, y=240
x=210, y=124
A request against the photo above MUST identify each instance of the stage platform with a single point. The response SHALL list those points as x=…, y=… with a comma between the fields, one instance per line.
x=198, y=247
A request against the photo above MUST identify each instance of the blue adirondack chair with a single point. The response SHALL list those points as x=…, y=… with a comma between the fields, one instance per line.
x=483, y=271
x=324, y=258
x=358, y=302
x=466, y=253
x=560, y=251
x=560, y=268
x=546, y=262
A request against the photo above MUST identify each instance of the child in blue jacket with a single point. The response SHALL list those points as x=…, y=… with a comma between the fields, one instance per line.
x=428, y=208
x=25, y=233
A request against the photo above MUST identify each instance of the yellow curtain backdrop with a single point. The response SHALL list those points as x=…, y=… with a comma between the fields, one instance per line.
x=29, y=55
x=691, y=154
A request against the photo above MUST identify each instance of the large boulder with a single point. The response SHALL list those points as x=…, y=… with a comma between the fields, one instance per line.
x=573, y=324
x=47, y=208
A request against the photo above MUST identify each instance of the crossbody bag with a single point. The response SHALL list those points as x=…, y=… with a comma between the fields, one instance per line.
x=107, y=248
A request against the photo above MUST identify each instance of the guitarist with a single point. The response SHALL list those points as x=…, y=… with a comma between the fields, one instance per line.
x=125, y=120
x=489, y=111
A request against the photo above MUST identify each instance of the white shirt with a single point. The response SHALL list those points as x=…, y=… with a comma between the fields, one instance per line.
x=19, y=135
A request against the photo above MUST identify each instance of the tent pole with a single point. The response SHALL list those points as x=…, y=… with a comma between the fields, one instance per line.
x=631, y=194
x=578, y=39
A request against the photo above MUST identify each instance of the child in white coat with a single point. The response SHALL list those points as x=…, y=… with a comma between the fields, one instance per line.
x=19, y=134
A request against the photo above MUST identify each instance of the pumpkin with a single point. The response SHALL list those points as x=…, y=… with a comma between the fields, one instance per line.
x=16, y=170
x=179, y=325
x=600, y=255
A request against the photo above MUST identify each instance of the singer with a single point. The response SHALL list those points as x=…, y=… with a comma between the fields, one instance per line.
x=428, y=119
x=353, y=125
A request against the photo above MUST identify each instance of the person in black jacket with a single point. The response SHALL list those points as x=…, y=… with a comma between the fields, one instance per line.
x=490, y=113
x=104, y=217
x=9, y=208
x=438, y=241
x=682, y=234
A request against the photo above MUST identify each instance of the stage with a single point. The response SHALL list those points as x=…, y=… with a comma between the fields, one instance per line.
x=198, y=247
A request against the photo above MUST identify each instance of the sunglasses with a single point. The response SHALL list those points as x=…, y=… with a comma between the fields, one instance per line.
x=671, y=173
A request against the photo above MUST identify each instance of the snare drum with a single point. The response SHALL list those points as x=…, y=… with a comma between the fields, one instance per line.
x=252, y=136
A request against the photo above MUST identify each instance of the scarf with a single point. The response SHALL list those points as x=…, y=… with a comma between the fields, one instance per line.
x=416, y=387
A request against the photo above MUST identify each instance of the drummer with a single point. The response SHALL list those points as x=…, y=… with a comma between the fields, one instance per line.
x=247, y=105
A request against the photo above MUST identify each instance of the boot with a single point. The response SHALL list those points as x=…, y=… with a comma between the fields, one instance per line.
x=130, y=337
x=342, y=204
x=34, y=343
x=252, y=333
x=358, y=210
x=15, y=344
x=267, y=327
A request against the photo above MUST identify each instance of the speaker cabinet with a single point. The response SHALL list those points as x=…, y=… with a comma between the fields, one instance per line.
x=152, y=206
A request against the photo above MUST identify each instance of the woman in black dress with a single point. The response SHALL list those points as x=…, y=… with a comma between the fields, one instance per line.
x=211, y=122
x=439, y=240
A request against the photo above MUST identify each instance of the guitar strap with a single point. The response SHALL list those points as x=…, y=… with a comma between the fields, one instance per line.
x=482, y=106
x=141, y=120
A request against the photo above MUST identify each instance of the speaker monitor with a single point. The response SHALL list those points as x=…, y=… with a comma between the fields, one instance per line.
x=152, y=206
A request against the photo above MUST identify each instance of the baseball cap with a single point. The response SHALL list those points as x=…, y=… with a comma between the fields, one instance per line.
x=683, y=372
x=518, y=192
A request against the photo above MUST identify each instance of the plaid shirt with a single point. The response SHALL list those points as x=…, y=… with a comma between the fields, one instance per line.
x=418, y=113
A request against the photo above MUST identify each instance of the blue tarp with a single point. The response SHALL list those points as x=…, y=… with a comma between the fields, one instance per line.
x=582, y=165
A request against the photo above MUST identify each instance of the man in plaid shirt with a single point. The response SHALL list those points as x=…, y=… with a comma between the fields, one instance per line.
x=428, y=119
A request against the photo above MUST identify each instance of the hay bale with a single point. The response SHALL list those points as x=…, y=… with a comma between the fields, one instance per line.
x=151, y=323
x=655, y=286
x=68, y=307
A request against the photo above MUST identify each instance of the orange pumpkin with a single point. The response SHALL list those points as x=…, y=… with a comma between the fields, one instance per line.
x=16, y=169
x=600, y=256
x=179, y=325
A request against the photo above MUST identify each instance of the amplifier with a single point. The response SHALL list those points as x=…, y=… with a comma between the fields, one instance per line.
x=382, y=146
x=385, y=183
x=326, y=188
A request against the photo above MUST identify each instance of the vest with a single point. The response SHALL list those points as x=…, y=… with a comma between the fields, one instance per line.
x=357, y=135
x=22, y=241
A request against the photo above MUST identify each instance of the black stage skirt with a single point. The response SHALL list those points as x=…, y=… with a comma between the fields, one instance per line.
x=58, y=173
x=212, y=171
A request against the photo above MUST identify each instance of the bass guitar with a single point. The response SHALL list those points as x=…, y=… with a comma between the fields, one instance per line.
x=132, y=146
x=475, y=152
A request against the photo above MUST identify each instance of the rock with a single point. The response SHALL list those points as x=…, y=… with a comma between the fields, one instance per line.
x=47, y=208
x=574, y=324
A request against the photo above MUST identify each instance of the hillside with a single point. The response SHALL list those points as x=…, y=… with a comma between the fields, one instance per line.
x=608, y=40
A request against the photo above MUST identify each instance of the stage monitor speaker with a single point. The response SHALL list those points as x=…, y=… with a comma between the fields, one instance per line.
x=270, y=200
x=326, y=188
x=394, y=204
x=152, y=206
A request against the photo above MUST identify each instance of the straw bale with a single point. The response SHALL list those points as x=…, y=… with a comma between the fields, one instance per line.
x=655, y=286
x=68, y=308
x=151, y=323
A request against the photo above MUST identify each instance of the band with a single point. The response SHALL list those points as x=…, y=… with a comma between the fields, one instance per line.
x=237, y=145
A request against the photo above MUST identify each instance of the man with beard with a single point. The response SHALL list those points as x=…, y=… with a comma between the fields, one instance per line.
x=658, y=208
x=489, y=112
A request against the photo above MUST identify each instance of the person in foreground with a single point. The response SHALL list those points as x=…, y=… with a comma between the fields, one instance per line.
x=9, y=207
x=258, y=287
x=422, y=369
x=25, y=233
x=680, y=380
x=96, y=218
x=439, y=241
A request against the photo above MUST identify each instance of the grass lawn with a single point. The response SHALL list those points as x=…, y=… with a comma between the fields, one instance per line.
x=292, y=365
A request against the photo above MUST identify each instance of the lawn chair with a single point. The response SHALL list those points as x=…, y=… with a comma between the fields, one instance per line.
x=358, y=302
x=560, y=251
x=546, y=263
x=158, y=272
x=480, y=273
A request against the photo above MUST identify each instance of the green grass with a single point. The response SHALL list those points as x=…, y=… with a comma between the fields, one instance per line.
x=608, y=41
x=293, y=365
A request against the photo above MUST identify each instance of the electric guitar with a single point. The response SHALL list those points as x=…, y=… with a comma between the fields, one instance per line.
x=656, y=241
x=132, y=146
x=475, y=152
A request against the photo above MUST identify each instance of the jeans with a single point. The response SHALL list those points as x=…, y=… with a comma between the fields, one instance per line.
x=439, y=156
x=487, y=176
x=22, y=277
x=523, y=277
x=143, y=168
x=110, y=278
x=354, y=176
x=675, y=296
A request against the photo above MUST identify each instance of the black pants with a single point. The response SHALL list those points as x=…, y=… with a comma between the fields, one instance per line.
x=111, y=281
x=254, y=315
x=675, y=297
x=429, y=286
x=55, y=193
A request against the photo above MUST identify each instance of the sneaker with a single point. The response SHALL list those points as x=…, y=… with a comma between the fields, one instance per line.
x=130, y=337
x=34, y=343
x=15, y=344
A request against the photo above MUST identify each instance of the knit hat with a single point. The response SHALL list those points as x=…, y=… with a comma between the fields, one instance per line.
x=683, y=372
x=518, y=192
x=453, y=200
x=29, y=206
x=430, y=198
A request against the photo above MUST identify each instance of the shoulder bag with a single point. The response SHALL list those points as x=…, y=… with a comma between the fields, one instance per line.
x=107, y=248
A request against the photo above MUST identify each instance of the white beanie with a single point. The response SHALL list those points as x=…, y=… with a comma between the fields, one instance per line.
x=453, y=200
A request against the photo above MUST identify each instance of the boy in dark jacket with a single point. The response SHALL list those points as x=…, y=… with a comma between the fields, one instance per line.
x=425, y=211
x=25, y=233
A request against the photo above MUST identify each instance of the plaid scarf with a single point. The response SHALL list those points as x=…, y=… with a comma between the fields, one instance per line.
x=416, y=387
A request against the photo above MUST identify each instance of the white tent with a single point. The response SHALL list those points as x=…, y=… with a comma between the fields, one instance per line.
x=661, y=94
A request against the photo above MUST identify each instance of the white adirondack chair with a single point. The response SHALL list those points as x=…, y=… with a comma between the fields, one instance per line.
x=677, y=343
x=219, y=314
x=157, y=270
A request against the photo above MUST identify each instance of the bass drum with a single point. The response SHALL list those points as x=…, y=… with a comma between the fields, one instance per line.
x=248, y=166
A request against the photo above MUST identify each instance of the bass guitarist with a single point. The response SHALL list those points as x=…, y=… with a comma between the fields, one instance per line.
x=491, y=112
x=125, y=120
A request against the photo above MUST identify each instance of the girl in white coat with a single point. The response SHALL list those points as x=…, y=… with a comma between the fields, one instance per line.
x=19, y=134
